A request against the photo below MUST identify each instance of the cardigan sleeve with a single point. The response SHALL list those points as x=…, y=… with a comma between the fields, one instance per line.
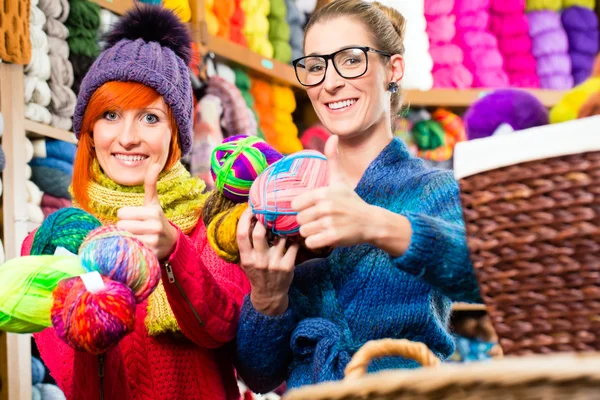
x=438, y=251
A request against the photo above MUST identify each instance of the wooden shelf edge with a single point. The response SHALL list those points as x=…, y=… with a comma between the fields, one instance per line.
x=468, y=307
x=116, y=6
x=47, y=131
x=466, y=97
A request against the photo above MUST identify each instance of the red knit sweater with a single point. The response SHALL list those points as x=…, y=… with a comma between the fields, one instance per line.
x=195, y=365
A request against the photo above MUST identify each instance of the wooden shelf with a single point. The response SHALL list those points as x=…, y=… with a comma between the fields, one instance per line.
x=116, y=6
x=36, y=129
x=466, y=97
x=468, y=307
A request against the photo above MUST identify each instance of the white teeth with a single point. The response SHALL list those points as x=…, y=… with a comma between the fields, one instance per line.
x=341, y=104
x=130, y=158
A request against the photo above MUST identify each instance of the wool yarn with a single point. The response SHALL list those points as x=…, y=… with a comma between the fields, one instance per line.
x=128, y=261
x=38, y=371
x=428, y=135
x=92, y=321
x=237, y=162
x=272, y=192
x=35, y=393
x=2, y=160
x=221, y=232
x=48, y=391
x=65, y=228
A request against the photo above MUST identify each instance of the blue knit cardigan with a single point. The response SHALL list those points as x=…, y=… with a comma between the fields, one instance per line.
x=361, y=293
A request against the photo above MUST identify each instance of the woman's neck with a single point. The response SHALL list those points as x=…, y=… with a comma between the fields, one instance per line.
x=358, y=152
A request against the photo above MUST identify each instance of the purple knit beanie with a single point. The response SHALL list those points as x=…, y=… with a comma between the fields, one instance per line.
x=149, y=45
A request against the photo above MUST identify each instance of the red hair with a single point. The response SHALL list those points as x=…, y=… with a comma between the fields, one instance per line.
x=111, y=96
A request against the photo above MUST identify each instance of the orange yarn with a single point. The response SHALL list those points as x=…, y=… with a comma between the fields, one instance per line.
x=15, y=44
x=224, y=11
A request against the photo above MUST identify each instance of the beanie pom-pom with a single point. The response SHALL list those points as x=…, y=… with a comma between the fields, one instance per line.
x=153, y=24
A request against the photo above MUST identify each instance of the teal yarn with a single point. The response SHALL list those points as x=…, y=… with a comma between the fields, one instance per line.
x=35, y=393
x=67, y=228
x=38, y=371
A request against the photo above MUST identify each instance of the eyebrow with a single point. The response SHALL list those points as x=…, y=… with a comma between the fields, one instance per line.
x=154, y=109
x=339, y=48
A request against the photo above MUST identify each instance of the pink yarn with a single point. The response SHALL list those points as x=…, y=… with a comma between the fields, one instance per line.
x=486, y=59
x=472, y=39
x=524, y=62
x=509, y=25
x=272, y=192
x=524, y=80
x=446, y=55
x=477, y=20
x=436, y=8
x=490, y=79
x=441, y=29
x=514, y=45
x=507, y=6
x=456, y=76
x=465, y=6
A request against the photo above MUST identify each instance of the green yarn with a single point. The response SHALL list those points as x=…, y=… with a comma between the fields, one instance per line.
x=537, y=5
x=278, y=30
x=65, y=228
x=26, y=290
x=282, y=51
x=428, y=135
x=242, y=80
x=83, y=24
x=278, y=9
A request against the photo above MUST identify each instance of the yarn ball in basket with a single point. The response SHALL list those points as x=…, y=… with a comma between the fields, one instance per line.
x=92, y=321
x=118, y=255
x=514, y=107
x=236, y=163
x=65, y=228
x=272, y=192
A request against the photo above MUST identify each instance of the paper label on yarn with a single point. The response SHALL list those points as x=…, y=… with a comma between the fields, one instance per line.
x=503, y=129
x=61, y=251
x=93, y=281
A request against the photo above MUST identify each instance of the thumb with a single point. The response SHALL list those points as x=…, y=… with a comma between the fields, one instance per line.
x=150, y=191
x=334, y=170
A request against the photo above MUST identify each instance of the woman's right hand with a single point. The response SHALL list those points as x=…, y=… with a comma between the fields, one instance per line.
x=270, y=270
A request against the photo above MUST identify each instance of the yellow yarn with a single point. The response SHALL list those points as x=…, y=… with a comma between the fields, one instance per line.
x=568, y=107
x=211, y=19
x=181, y=8
x=160, y=318
x=221, y=233
x=284, y=102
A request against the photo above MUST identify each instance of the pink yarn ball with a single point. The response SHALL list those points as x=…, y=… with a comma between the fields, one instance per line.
x=272, y=192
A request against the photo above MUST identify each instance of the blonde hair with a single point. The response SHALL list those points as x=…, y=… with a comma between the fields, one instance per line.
x=386, y=26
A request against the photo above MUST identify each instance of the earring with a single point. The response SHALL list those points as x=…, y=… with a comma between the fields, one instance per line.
x=393, y=87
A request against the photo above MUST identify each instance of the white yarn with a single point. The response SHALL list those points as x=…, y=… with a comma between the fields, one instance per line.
x=64, y=123
x=39, y=39
x=39, y=148
x=35, y=213
x=28, y=171
x=34, y=194
x=58, y=47
x=39, y=65
x=37, y=113
x=37, y=17
x=2, y=256
x=1, y=124
x=223, y=70
x=57, y=29
x=306, y=6
x=41, y=92
x=28, y=149
x=29, y=87
x=107, y=20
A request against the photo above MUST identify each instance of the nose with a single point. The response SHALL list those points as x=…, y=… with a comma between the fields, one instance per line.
x=129, y=135
x=333, y=80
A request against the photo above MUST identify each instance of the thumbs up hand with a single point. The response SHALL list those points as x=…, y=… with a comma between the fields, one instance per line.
x=148, y=223
x=333, y=215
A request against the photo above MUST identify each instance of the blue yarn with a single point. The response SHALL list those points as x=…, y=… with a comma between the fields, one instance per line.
x=55, y=163
x=52, y=181
x=35, y=393
x=61, y=150
x=51, y=392
x=361, y=293
x=38, y=371
x=152, y=2
x=2, y=160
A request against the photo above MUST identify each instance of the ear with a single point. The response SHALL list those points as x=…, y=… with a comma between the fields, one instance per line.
x=397, y=70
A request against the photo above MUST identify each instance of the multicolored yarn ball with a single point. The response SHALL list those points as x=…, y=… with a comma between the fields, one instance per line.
x=93, y=322
x=66, y=228
x=272, y=192
x=120, y=256
x=237, y=162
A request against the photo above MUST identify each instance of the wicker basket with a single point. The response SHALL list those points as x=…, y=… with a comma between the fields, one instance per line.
x=538, y=377
x=533, y=227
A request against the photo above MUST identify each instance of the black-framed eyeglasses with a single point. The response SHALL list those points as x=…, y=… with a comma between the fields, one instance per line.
x=350, y=62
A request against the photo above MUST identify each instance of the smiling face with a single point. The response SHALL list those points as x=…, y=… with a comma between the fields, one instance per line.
x=348, y=107
x=128, y=141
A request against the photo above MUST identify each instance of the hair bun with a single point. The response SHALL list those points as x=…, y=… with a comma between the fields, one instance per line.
x=153, y=24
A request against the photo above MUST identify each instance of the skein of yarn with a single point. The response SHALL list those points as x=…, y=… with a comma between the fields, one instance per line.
x=272, y=192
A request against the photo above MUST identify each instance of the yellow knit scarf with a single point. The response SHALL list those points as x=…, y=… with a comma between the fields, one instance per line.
x=181, y=197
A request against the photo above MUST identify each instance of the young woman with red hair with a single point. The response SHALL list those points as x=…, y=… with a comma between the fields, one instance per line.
x=134, y=121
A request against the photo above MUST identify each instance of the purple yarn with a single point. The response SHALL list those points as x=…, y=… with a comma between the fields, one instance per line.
x=554, y=64
x=518, y=108
x=543, y=21
x=547, y=43
x=582, y=62
x=579, y=19
x=556, y=82
x=584, y=41
x=580, y=76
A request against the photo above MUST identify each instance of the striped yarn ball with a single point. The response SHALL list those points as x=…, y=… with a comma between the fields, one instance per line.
x=120, y=256
x=236, y=163
x=272, y=192
x=66, y=228
x=92, y=322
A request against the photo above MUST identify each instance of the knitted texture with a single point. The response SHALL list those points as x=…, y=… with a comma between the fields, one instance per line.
x=361, y=293
x=15, y=43
x=148, y=62
x=52, y=181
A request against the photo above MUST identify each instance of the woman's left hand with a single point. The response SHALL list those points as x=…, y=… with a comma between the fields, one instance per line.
x=333, y=215
x=149, y=223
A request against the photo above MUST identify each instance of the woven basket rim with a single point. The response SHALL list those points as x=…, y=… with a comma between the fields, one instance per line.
x=503, y=372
